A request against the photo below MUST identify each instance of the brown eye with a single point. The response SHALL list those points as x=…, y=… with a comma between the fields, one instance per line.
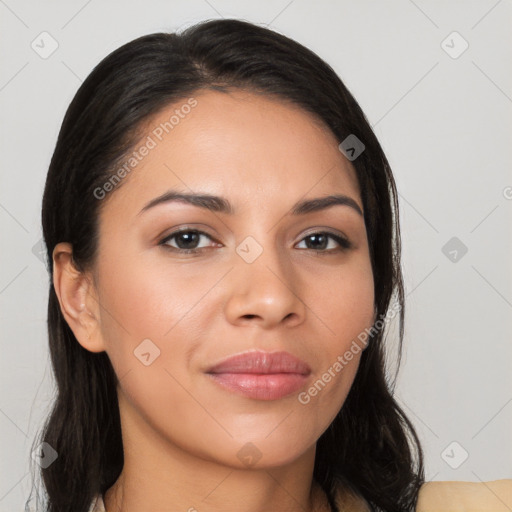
x=320, y=242
x=185, y=240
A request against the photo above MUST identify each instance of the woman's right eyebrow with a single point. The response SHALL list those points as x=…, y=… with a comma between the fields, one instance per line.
x=222, y=205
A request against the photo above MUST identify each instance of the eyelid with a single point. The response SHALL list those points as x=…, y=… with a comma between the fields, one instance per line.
x=197, y=227
x=341, y=239
x=185, y=229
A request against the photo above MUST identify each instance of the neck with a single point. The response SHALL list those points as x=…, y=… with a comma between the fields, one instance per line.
x=232, y=492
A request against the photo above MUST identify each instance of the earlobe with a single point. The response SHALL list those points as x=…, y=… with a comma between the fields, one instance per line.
x=77, y=298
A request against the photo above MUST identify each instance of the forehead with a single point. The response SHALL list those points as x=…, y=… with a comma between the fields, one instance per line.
x=249, y=147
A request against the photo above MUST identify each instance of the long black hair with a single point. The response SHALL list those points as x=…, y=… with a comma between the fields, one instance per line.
x=371, y=447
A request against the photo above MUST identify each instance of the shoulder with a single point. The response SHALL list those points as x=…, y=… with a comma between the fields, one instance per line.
x=494, y=496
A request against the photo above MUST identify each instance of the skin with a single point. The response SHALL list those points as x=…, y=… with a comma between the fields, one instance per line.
x=182, y=431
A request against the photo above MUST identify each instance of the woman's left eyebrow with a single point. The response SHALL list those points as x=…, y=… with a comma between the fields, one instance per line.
x=222, y=205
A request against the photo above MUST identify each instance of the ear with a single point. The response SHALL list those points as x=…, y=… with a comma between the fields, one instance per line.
x=77, y=298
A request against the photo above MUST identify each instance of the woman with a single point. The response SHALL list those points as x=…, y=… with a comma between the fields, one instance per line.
x=222, y=231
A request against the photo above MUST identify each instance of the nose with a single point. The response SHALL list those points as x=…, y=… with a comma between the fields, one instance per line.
x=266, y=292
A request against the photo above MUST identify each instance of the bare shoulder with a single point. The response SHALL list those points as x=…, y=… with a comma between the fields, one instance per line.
x=493, y=496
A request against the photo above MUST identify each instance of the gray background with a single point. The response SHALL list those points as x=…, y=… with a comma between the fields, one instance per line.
x=444, y=120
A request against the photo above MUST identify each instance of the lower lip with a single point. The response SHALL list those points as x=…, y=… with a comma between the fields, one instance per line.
x=272, y=386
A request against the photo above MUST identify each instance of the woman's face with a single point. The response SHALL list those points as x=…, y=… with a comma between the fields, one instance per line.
x=263, y=277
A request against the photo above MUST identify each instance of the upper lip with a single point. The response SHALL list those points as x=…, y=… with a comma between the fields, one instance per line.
x=261, y=362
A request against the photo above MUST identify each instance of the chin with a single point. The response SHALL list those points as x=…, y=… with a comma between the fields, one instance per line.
x=269, y=453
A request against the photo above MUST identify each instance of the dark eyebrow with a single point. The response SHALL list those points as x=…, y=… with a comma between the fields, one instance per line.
x=321, y=203
x=222, y=205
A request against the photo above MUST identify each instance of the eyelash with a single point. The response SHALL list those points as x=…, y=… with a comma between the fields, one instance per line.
x=344, y=243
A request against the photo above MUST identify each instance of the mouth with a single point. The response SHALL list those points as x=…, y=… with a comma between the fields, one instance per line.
x=261, y=375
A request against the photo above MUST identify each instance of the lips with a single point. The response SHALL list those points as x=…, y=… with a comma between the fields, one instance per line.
x=261, y=375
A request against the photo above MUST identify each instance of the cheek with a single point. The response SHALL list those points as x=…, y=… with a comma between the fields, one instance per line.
x=142, y=300
x=138, y=308
x=145, y=329
x=344, y=301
